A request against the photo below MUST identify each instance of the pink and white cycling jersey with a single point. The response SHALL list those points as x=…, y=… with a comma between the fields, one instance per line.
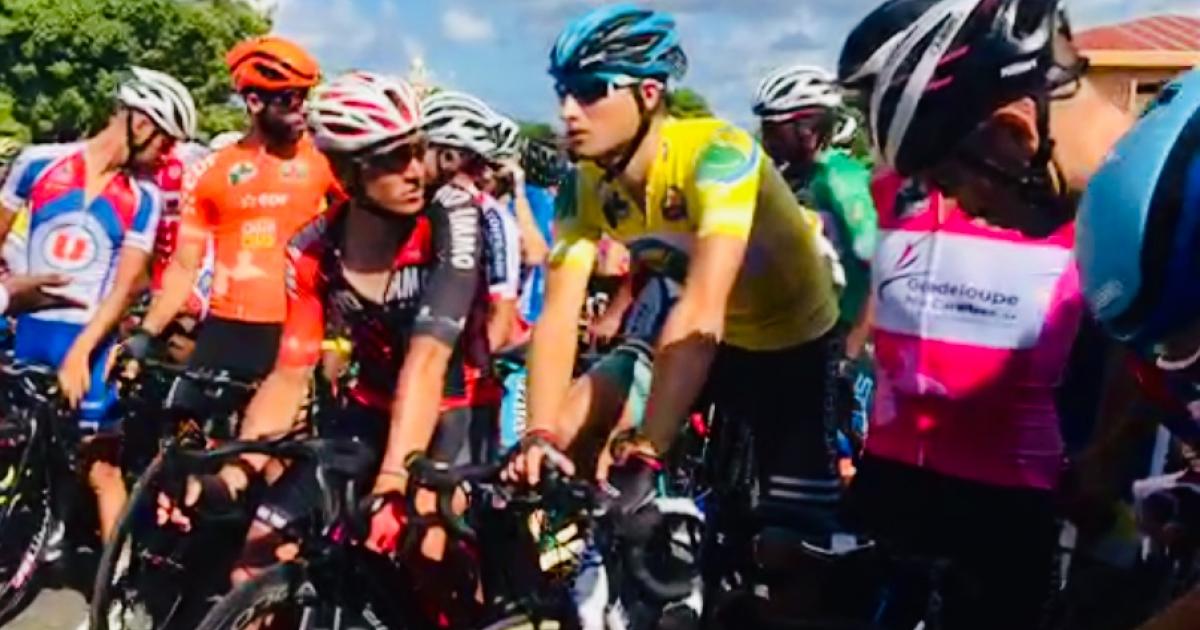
x=974, y=325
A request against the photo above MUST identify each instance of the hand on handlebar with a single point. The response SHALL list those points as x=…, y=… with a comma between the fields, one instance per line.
x=217, y=493
x=537, y=449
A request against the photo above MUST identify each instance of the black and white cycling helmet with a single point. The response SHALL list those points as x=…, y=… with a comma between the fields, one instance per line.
x=460, y=121
x=163, y=99
x=510, y=142
x=867, y=46
x=957, y=63
x=791, y=89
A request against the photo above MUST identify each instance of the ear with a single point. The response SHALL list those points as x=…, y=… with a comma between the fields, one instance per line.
x=1018, y=122
x=652, y=93
x=254, y=102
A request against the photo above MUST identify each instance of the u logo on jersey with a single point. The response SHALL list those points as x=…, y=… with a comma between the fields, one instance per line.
x=69, y=248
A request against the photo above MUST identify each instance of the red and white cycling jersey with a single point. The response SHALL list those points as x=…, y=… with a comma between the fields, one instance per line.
x=170, y=182
x=974, y=326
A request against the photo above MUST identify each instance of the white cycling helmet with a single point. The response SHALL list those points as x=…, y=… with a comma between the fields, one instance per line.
x=461, y=121
x=790, y=89
x=510, y=143
x=843, y=130
x=163, y=99
x=363, y=112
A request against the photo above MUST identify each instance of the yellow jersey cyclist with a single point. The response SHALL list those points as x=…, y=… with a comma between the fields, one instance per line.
x=698, y=201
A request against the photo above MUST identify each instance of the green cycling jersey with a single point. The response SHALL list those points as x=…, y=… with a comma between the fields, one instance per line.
x=840, y=189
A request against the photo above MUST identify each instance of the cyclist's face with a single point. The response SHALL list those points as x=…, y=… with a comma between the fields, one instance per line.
x=151, y=145
x=280, y=114
x=1006, y=142
x=796, y=140
x=601, y=116
x=395, y=180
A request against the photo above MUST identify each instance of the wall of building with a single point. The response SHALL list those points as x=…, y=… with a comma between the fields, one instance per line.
x=1131, y=88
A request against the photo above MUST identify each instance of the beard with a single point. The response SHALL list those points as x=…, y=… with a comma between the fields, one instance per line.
x=277, y=130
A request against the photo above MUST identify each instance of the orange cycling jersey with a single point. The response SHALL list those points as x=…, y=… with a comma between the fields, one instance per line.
x=251, y=202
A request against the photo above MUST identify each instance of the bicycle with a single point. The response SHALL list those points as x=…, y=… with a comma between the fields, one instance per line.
x=147, y=575
x=38, y=443
x=335, y=578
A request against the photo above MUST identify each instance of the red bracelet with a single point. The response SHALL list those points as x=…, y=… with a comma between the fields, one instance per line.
x=545, y=435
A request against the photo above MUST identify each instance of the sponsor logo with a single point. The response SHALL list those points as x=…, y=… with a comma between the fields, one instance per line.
x=294, y=170
x=70, y=248
x=242, y=172
x=1016, y=68
x=258, y=234
x=952, y=297
x=406, y=285
x=674, y=205
x=464, y=237
x=263, y=201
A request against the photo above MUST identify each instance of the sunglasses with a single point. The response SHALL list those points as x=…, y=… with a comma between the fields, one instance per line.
x=290, y=99
x=396, y=159
x=587, y=89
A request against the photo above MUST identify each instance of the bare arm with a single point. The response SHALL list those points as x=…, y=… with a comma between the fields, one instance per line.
x=690, y=336
x=502, y=320
x=274, y=407
x=534, y=248
x=178, y=279
x=418, y=397
x=552, y=349
x=130, y=267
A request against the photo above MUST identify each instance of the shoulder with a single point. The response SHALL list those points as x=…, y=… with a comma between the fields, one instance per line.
x=36, y=157
x=312, y=237
x=203, y=168
x=722, y=152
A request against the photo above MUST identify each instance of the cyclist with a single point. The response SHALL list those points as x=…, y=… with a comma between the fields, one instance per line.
x=248, y=199
x=542, y=166
x=411, y=293
x=93, y=217
x=503, y=235
x=985, y=100
x=1136, y=225
x=169, y=179
x=694, y=200
x=800, y=108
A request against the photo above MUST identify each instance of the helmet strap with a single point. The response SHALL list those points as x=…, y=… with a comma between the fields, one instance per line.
x=615, y=169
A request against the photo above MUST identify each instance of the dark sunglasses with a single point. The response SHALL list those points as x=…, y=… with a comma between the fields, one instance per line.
x=287, y=99
x=396, y=159
x=586, y=88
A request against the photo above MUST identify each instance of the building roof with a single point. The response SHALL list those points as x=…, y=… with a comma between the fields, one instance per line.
x=1160, y=40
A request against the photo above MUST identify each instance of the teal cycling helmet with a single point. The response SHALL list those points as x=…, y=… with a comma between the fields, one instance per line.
x=619, y=40
x=1138, y=230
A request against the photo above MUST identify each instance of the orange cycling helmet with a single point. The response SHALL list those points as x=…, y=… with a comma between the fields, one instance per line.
x=271, y=63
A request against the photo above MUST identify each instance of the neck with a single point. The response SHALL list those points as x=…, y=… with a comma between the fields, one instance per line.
x=285, y=149
x=109, y=149
x=371, y=237
x=637, y=172
x=1085, y=128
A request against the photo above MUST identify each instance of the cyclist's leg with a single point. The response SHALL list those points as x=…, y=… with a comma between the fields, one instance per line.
x=599, y=403
x=788, y=397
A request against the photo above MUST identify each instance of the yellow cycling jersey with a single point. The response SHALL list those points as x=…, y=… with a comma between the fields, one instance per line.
x=711, y=178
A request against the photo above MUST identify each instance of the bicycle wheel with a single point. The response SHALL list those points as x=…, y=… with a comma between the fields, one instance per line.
x=27, y=523
x=270, y=600
x=117, y=601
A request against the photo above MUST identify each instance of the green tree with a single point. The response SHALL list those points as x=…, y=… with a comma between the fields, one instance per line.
x=537, y=130
x=61, y=75
x=687, y=103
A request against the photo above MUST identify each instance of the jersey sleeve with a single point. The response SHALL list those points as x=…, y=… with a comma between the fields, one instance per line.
x=575, y=236
x=197, y=212
x=18, y=182
x=144, y=229
x=725, y=188
x=850, y=199
x=504, y=254
x=304, y=324
x=458, y=270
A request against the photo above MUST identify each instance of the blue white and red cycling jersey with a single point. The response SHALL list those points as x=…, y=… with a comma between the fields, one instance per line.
x=80, y=238
x=503, y=240
x=67, y=237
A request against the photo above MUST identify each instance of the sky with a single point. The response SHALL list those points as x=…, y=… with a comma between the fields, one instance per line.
x=498, y=49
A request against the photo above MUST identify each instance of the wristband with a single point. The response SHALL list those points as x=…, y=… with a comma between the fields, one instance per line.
x=543, y=435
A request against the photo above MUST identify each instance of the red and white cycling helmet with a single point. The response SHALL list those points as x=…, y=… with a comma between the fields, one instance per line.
x=364, y=112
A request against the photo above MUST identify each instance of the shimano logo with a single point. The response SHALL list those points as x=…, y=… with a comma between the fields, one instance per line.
x=464, y=236
x=1019, y=67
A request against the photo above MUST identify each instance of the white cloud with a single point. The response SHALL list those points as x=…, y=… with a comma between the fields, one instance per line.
x=461, y=25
